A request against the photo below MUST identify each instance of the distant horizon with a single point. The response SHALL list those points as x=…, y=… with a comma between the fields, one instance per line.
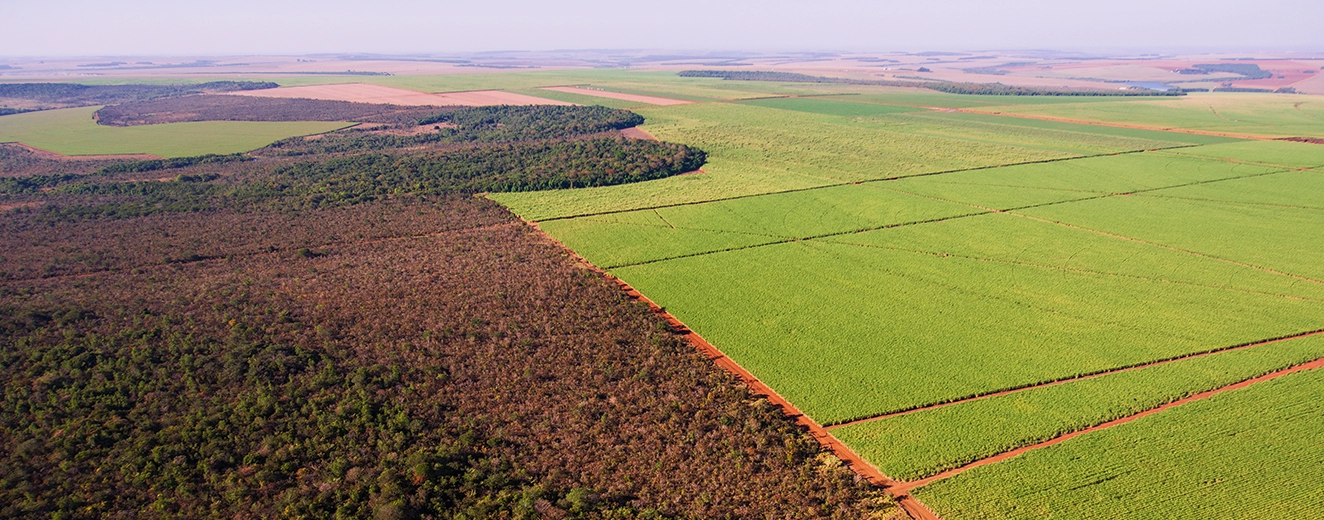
x=82, y=28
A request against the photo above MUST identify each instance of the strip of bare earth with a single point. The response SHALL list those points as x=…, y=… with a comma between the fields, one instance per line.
x=905, y=487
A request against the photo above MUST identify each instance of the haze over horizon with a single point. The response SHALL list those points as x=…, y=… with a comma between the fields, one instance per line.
x=158, y=27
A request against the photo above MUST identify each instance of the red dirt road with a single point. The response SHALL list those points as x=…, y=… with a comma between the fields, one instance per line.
x=1116, y=125
x=1077, y=378
x=906, y=487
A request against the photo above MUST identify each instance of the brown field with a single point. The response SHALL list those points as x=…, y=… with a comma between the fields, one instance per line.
x=361, y=93
x=652, y=100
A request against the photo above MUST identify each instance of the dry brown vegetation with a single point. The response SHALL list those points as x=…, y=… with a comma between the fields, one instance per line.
x=363, y=93
x=476, y=371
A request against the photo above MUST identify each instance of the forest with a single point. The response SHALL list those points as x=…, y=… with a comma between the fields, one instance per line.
x=354, y=334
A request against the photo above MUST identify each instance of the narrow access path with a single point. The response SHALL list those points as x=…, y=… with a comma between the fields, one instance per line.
x=1117, y=125
x=862, y=181
x=1093, y=375
x=906, y=487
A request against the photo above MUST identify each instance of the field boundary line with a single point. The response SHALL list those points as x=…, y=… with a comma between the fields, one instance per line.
x=787, y=240
x=1078, y=270
x=907, y=486
x=1244, y=203
x=856, y=182
x=853, y=460
x=1173, y=248
x=1091, y=375
x=1119, y=125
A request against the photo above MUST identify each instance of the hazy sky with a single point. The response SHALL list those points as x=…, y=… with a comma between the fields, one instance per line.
x=172, y=27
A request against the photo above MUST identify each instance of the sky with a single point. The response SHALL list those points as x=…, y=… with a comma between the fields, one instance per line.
x=181, y=27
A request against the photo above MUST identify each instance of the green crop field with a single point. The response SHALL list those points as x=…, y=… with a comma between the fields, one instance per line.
x=73, y=132
x=873, y=252
x=1248, y=453
x=925, y=443
x=1266, y=115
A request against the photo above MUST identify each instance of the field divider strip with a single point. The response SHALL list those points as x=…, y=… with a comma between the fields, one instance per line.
x=799, y=239
x=1172, y=248
x=1078, y=270
x=208, y=259
x=907, y=486
x=861, y=181
x=1241, y=202
x=853, y=460
x=1065, y=380
x=1117, y=125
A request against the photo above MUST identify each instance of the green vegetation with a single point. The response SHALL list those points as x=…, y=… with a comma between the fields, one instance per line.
x=1271, y=237
x=755, y=150
x=829, y=106
x=921, y=444
x=1249, y=453
x=64, y=95
x=847, y=331
x=1267, y=115
x=1280, y=153
x=979, y=89
x=72, y=131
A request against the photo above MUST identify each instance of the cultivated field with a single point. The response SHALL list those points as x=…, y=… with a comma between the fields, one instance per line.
x=881, y=262
x=649, y=100
x=72, y=131
x=363, y=93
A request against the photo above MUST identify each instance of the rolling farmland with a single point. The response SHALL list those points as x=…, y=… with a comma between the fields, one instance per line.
x=72, y=131
x=872, y=259
x=979, y=296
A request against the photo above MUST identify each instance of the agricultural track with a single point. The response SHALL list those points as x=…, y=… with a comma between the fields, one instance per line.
x=1115, y=125
x=863, y=181
x=906, y=487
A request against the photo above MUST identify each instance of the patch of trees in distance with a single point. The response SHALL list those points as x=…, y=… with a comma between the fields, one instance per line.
x=66, y=95
x=987, y=89
x=245, y=108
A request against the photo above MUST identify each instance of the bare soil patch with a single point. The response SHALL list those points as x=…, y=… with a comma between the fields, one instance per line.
x=652, y=100
x=635, y=133
x=363, y=93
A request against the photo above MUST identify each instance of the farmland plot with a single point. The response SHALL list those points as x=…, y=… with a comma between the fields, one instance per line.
x=1248, y=453
x=924, y=443
x=847, y=331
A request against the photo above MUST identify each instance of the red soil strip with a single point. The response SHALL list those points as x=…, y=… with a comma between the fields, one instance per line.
x=1101, y=123
x=635, y=132
x=905, y=487
x=999, y=393
x=364, y=93
x=853, y=460
x=651, y=100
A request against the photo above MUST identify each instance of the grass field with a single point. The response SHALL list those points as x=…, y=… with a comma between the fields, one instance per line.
x=1249, y=453
x=73, y=132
